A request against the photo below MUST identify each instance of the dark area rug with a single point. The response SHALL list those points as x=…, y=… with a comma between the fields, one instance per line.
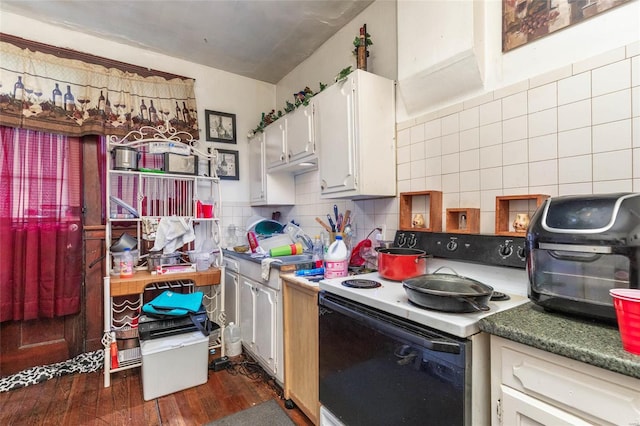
x=266, y=414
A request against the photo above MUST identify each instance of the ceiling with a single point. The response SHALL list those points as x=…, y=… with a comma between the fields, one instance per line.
x=259, y=39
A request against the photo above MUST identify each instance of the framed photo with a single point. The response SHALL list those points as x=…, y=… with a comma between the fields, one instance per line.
x=221, y=126
x=227, y=167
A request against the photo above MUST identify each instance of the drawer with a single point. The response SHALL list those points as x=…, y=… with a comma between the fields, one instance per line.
x=587, y=391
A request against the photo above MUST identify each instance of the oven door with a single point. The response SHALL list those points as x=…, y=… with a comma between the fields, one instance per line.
x=379, y=369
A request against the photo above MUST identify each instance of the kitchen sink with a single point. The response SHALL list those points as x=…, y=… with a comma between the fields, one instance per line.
x=295, y=258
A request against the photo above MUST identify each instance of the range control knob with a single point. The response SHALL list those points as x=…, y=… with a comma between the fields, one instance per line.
x=412, y=240
x=452, y=245
x=401, y=240
x=505, y=250
x=521, y=253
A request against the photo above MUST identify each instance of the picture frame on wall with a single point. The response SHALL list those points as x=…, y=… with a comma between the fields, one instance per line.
x=220, y=126
x=227, y=166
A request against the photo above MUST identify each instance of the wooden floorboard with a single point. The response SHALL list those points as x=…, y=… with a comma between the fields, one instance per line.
x=81, y=399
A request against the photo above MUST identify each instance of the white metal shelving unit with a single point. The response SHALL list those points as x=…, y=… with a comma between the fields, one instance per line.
x=140, y=199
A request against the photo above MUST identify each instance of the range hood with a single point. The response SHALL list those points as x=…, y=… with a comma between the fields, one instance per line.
x=453, y=78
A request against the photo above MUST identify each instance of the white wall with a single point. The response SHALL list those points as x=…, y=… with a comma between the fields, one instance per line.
x=337, y=53
x=215, y=89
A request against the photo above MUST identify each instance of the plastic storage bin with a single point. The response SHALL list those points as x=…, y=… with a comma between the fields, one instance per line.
x=171, y=364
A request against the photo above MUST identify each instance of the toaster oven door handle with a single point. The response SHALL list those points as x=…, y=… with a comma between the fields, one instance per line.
x=576, y=248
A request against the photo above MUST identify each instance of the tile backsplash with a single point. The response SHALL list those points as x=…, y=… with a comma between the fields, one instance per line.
x=575, y=130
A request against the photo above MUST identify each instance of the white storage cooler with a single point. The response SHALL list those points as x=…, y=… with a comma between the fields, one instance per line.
x=173, y=363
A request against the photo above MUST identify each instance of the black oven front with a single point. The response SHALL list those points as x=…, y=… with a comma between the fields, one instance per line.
x=379, y=369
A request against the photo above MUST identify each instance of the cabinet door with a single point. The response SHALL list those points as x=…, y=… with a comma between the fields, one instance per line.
x=521, y=409
x=231, y=289
x=300, y=133
x=274, y=142
x=257, y=181
x=336, y=137
x=247, y=311
x=265, y=325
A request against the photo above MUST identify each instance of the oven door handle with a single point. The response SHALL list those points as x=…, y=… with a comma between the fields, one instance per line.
x=390, y=327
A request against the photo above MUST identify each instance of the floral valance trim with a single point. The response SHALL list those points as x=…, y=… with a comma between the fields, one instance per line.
x=41, y=92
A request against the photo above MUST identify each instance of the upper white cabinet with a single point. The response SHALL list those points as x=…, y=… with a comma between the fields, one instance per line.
x=291, y=140
x=267, y=188
x=355, y=132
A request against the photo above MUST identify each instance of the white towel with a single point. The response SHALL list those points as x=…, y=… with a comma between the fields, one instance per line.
x=172, y=233
x=266, y=267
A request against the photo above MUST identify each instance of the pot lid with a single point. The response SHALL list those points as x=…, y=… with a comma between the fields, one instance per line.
x=447, y=285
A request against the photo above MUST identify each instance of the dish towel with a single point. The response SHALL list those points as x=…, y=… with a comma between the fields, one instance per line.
x=266, y=266
x=172, y=233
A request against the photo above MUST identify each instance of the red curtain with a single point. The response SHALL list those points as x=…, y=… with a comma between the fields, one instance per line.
x=40, y=224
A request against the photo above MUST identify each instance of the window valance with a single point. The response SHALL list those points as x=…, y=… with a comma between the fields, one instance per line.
x=43, y=92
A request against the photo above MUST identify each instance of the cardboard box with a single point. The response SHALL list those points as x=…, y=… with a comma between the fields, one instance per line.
x=171, y=364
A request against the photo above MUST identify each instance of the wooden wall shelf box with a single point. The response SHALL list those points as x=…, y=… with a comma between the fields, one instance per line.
x=503, y=221
x=471, y=224
x=434, y=214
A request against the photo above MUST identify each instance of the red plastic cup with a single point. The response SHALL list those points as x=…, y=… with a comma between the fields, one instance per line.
x=207, y=210
x=627, y=304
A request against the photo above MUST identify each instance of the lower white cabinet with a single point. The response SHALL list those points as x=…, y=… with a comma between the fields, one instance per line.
x=530, y=386
x=231, y=286
x=258, y=323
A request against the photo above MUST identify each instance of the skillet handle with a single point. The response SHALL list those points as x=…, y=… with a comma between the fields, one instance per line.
x=477, y=306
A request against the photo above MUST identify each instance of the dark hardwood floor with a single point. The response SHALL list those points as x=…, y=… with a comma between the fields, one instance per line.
x=81, y=399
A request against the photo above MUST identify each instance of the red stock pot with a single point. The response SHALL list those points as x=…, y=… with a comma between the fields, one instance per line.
x=398, y=264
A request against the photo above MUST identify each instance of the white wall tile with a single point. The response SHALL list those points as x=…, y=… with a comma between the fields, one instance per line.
x=614, y=165
x=636, y=163
x=635, y=71
x=418, y=168
x=551, y=76
x=574, y=142
x=491, y=134
x=575, y=188
x=543, y=97
x=433, y=183
x=636, y=132
x=433, y=129
x=417, y=133
x=404, y=137
x=611, y=107
x=514, y=105
x=543, y=173
x=478, y=100
x=603, y=59
x=635, y=101
x=543, y=122
x=516, y=175
x=513, y=89
x=470, y=139
x=487, y=222
x=612, y=136
x=543, y=147
x=451, y=182
x=451, y=143
x=611, y=78
x=403, y=172
x=470, y=198
x=403, y=155
x=488, y=200
x=433, y=148
x=469, y=118
x=470, y=160
x=574, y=88
x=470, y=181
x=450, y=200
x=491, y=156
x=417, y=150
x=515, y=152
x=514, y=129
x=451, y=163
x=433, y=166
x=574, y=115
x=450, y=124
x=623, y=185
x=575, y=169
x=491, y=112
x=417, y=184
x=491, y=178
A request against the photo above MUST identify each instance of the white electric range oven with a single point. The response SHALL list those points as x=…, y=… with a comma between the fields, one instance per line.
x=385, y=360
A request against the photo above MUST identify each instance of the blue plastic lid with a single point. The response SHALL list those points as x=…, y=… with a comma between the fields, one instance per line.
x=338, y=237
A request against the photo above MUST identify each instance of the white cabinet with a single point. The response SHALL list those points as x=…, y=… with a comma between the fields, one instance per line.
x=291, y=140
x=355, y=131
x=275, y=144
x=231, y=290
x=531, y=386
x=267, y=188
x=258, y=319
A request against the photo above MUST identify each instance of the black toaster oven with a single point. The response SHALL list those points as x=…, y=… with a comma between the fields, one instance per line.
x=580, y=247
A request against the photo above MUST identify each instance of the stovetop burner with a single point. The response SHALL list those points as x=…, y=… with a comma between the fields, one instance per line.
x=361, y=283
x=499, y=296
